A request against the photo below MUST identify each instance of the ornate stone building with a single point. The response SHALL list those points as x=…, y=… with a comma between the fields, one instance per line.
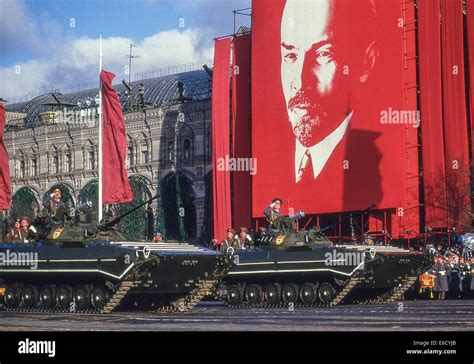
x=53, y=140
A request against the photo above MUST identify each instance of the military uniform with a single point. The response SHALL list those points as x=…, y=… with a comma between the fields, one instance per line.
x=441, y=271
x=16, y=236
x=274, y=218
x=56, y=209
x=226, y=244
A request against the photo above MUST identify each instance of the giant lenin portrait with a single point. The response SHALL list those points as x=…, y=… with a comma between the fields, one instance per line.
x=327, y=75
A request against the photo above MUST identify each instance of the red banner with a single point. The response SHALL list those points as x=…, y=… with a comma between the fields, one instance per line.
x=455, y=117
x=221, y=138
x=429, y=48
x=330, y=122
x=115, y=184
x=5, y=188
x=470, y=44
x=245, y=166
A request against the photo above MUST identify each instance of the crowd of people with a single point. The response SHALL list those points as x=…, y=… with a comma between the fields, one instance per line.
x=452, y=273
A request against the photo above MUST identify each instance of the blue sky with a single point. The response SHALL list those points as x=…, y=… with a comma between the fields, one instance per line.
x=53, y=42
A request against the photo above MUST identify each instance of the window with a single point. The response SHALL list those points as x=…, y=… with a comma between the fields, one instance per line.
x=187, y=149
x=68, y=162
x=22, y=169
x=130, y=156
x=145, y=157
x=91, y=163
x=55, y=167
x=170, y=151
x=34, y=167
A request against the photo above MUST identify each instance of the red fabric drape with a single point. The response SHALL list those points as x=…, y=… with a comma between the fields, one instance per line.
x=241, y=132
x=221, y=138
x=455, y=117
x=470, y=47
x=429, y=48
x=115, y=184
x=5, y=188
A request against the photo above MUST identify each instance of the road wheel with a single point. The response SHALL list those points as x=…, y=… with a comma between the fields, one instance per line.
x=308, y=293
x=12, y=297
x=99, y=297
x=64, y=296
x=29, y=296
x=290, y=293
x=273, y=293
x=254, y=294
x=235, y=295
x=47, y=297
x=326, y=293
x=82, y=297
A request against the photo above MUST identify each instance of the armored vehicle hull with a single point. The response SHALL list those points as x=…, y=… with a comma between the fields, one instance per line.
x=105, y=276
x=320, y=275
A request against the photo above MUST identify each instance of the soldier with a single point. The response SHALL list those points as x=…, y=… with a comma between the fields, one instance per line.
x=15, y=234
x=229, y=241
x=55, y=206
x=441, y=271
x=244, y=240
x=158, y=238
x=273, y=214
x=276, y=221
x=260, y=236
x=28, y=231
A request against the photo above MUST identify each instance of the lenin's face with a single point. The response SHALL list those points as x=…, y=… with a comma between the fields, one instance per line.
x=317, y=67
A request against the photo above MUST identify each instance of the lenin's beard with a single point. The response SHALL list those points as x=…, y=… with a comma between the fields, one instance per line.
x=307, y=119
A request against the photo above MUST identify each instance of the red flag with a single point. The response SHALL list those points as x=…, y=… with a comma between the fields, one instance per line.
x=115, y=184
x=5, y=189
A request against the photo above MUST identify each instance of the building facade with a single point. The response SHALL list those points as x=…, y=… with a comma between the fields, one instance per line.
x=168, y=153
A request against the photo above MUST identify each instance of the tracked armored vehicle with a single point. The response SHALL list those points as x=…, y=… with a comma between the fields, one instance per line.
x=77, y=267
x=305, y=268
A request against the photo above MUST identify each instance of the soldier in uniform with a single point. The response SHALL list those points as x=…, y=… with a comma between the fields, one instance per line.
x=229, y=241
x=15, y=234
x=28, y=231
x=441, y=271
x=244, y=240
x=273, y=214
x=276, y=221
x=55, y=206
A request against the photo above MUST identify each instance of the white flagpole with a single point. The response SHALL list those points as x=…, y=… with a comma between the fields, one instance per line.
x=100, y=132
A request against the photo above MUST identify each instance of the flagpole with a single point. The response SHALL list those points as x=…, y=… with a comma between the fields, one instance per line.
x=100, y=133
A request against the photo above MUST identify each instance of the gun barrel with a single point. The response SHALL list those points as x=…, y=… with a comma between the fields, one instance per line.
x=117, y=219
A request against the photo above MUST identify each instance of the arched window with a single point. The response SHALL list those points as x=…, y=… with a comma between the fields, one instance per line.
x=53, y=160
x=171, y=151
x=187, y=149
x=67, y=159
x=130, y=156
x=89, y=160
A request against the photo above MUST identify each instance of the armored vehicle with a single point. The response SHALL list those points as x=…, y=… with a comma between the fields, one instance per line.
x=78, y=267
x=305, y=268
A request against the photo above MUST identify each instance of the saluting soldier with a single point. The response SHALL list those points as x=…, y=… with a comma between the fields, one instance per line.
x=273, y=214
x=55, y=206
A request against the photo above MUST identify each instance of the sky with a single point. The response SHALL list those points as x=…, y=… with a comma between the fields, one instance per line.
x=55, y=43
